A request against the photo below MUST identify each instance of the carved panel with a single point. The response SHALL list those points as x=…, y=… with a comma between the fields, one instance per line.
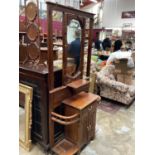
x=31, y=11
x=33, y=51
x=32, y=32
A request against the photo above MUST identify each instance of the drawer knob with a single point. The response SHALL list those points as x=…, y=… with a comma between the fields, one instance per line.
x=90, y=108
x=89, y=127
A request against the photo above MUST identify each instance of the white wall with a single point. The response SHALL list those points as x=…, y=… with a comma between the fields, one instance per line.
x=92, y=8
x=113, y=11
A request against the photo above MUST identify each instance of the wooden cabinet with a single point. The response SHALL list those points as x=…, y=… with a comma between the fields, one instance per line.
x=79, y=120
x=84, y=104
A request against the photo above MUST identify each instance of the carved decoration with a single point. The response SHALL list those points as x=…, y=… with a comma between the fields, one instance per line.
x=33, y=51
x=31, y=11
x=32, y=32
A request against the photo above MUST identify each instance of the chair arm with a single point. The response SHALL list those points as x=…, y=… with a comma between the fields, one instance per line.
x=114, y=84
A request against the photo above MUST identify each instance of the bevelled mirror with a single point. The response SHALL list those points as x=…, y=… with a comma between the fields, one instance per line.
x=74, y=46
x=73, y=51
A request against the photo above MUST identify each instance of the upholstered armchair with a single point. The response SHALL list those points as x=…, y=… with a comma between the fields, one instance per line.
x=112, y=89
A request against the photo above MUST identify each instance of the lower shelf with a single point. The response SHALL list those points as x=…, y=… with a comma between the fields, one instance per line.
x=65, y=147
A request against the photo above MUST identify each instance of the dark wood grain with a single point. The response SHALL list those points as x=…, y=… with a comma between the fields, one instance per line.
x=50, y=49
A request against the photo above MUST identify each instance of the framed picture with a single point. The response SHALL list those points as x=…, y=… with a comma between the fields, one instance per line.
x=25, y=116
x=128, y=14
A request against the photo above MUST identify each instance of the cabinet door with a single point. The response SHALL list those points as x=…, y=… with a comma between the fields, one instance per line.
x=92, y=121
x=84, y=128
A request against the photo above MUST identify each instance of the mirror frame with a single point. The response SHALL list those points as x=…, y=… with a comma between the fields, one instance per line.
x=28, y=92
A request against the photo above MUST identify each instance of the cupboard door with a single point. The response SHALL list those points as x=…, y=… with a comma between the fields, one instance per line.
x=92, y=121
x=93, y=124
x=84, y=128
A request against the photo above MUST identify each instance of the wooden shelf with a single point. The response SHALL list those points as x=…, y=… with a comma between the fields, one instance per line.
x=79, y=85
x=65, y=147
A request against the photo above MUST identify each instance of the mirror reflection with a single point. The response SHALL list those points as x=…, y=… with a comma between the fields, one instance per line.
x=74, y=47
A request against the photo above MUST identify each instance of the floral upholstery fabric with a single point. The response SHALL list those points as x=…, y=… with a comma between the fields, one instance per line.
x=112, y=89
